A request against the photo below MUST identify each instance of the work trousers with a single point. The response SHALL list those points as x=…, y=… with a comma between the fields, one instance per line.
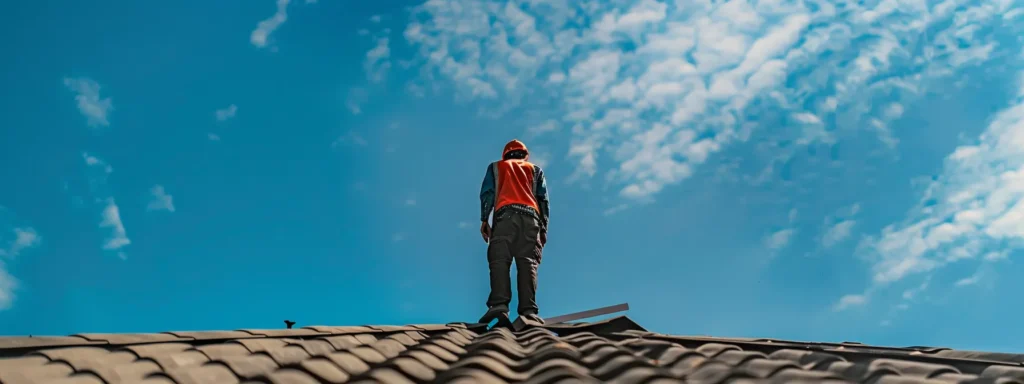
x=514, y=236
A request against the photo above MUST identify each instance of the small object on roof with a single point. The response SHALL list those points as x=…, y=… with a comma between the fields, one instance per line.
x=289, y=323
x=588, y=314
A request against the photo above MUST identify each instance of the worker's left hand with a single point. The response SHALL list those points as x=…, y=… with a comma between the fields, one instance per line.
x=485, y=231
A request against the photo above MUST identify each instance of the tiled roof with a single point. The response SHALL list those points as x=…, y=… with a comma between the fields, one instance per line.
x=615, y=350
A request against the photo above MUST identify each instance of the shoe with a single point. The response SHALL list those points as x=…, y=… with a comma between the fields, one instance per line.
x=497, y=312
x=532, y=317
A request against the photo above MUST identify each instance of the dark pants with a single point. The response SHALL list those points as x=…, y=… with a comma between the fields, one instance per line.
x=515, y=236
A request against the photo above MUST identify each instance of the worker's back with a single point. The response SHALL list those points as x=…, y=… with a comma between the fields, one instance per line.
x=516, y=183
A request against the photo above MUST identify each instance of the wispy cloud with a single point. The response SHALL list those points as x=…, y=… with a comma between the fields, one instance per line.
x=840, y=226
x=972, y=280
x=350, y=138
x=779, y=239
x=550, y=125
x=398, y=237
x=265, y=28
x=377, y=64
x=410, y=202
x=973, y=209
x=24, y=238
x=8, y=284
x=160, y=200
x=655, y=89
x=213, y=136
x=850, y=301
x=90, y=104
x=837, y=233
x=226, y=113
x=355, y=99
x=111, y=219
x=110, y=216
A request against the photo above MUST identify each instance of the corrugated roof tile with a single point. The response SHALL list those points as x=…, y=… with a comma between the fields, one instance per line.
x=131, y=338
x=614, y=350
x=296, y=332
x=11, y=342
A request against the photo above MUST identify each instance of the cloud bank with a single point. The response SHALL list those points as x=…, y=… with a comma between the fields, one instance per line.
x=651, y=90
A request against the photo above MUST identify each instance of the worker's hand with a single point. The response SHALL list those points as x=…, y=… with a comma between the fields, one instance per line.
x=543, y=236
x=485, y=231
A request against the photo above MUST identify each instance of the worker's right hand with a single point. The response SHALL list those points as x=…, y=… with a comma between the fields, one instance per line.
x=485, y=231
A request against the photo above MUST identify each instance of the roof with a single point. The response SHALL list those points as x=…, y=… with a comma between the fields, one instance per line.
x=614, y=350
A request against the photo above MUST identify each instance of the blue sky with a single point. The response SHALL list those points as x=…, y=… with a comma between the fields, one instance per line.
x=793, y=169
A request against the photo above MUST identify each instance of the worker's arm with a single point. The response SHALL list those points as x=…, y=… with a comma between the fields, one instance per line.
x=487, y=193
x=540, y=192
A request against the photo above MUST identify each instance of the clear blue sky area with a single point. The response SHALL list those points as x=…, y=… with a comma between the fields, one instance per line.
x=812, y=170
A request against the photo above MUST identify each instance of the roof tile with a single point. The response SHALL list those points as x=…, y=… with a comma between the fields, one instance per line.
x=188, y=358
x=248, y=366
x=288, y=355
x=340, y=330
x=217, y=351
x=260, y=345
x=344, y=342
x=213, y=335
x=158, y=349
x=349, y=363
x=204, y=374
x=299, y=332
x=9, y=342
x=78, y=379
x=120, y=373
x=35, y=373
x=325, y=370
x=390, y=376
x=314, y=347
x=291, y=376
x=130, y=338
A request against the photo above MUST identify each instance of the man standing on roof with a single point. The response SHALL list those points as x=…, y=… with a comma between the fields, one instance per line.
x=516, y=192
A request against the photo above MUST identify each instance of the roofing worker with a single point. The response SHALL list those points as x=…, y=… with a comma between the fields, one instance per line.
x=516, y=192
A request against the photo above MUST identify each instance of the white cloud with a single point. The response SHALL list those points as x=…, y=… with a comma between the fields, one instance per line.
x=213, y=136
x=265, y=28
x=974, y=207
x=226, y=113
x=161, y=201
x=377, y=64
x=464, y=224
x=780, y=239
x=90, y=104
x=24, y=238
x=375, y=18
x=691, y=74
x=837, y=233
x=972, y=280
x=95, y=162
x=111, y=219
x=410, y=202
x=355, y=99
x=849, y=301
x=542, y=128
x=8, y=284
x=398, y=237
